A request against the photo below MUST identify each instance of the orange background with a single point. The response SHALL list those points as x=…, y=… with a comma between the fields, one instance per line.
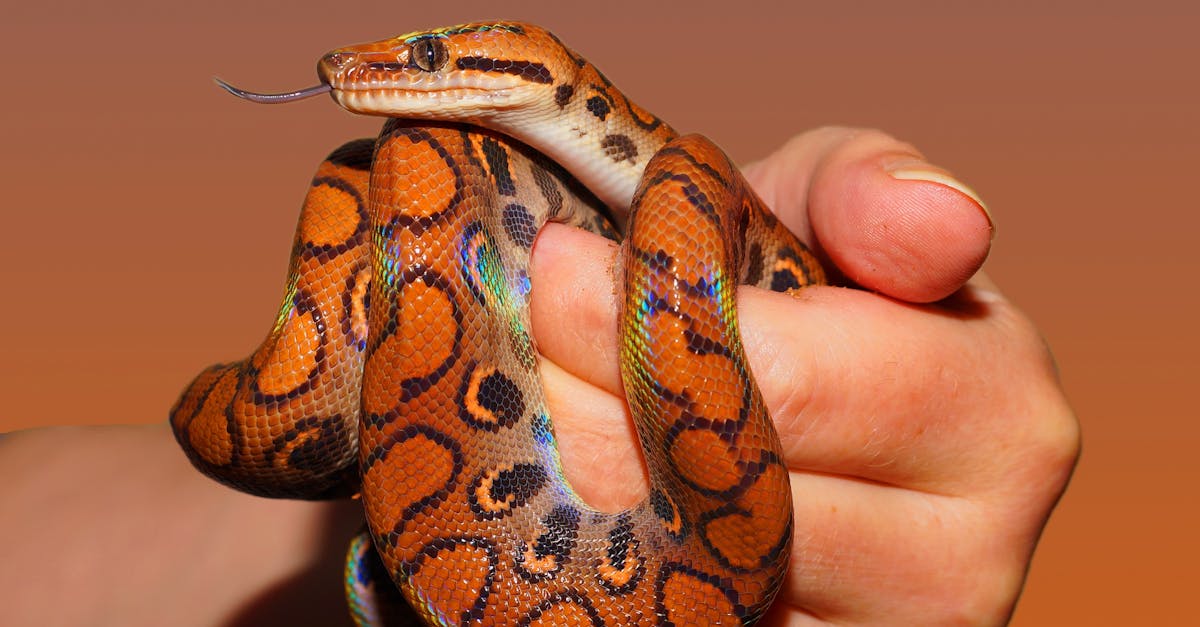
x=147, y=216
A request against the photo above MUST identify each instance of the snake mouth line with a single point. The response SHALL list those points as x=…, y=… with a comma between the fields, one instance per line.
x=360, y=91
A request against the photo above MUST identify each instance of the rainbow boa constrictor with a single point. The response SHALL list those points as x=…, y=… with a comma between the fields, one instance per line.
x=402, y=365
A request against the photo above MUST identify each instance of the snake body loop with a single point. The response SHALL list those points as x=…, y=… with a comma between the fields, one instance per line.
x=402, y=365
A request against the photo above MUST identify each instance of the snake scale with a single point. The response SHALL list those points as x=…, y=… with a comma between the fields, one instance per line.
x=402, y=367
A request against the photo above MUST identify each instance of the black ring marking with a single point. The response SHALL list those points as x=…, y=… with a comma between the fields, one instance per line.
x=722, y=182
x=498, y=492
x=415, y=386
x=784, y=278
x=488, y=399
x=545, y=559
x=481, y=265
x=311, y=455
x=598, y=107
x=417, y=225
x=622, y=556
x=350, y=303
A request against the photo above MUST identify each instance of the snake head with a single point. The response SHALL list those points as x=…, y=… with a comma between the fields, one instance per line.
x=470, y=73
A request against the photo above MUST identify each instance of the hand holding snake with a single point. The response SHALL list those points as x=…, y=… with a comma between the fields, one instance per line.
x=704, y=545
x=272, y=562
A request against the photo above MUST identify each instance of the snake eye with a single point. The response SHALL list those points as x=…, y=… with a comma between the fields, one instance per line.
x=430, y=54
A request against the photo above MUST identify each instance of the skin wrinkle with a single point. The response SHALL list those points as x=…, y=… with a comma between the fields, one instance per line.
x=855, y=562
x=901, y=442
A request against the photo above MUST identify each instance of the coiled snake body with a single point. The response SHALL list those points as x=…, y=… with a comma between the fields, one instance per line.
x=402, y=366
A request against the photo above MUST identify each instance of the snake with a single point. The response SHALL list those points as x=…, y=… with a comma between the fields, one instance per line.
x=402, y=369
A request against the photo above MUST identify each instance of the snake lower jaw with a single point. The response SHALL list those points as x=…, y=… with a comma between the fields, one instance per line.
x=465, y=104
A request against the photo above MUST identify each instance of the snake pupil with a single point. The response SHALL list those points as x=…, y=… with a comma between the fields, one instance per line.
x=430, y=54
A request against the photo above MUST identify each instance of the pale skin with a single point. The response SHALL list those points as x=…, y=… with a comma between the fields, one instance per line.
x=927, y=443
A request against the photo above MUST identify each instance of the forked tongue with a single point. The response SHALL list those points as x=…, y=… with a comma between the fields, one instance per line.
x=290, y=96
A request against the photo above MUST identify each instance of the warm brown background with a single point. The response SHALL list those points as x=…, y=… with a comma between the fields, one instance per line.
x=146, y=216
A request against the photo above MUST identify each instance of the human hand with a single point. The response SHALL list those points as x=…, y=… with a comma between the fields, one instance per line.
x=927, y=444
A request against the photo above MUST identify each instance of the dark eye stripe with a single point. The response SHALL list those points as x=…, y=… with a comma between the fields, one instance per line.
x=528, y=70
x=378, y=66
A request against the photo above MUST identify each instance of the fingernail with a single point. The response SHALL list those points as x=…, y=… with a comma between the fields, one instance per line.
x=917, y=170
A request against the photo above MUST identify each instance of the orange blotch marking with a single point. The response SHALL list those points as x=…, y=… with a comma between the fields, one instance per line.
x=712, y=384
x=380, y=388
x=670, y=360
x=208, y=433
x=293, y=358
x=719, y=396
x=676, y=225
x=330, y=216
x=427, y=325
x=745, y=540
x=706, y=460
x=690, y=600
x=358, y=309
x=412, y=470
x=451, y=580
x=424, y=341
x=424, y=188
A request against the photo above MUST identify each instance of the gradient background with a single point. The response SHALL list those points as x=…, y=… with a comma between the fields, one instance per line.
x=147, y=216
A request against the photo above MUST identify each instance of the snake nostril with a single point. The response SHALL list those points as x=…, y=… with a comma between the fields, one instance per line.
x=333, y=64
x=338, y=60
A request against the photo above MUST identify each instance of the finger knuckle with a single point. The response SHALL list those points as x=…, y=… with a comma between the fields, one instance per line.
x=1052, y=432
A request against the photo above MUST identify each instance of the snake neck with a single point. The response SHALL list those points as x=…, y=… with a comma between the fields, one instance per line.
x=594, y=131
x=514, y=78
